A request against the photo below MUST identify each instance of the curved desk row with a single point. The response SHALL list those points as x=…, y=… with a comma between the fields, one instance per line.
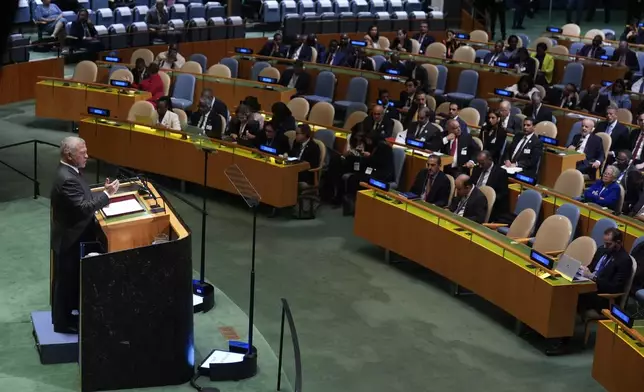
x=470, y=255
x=181, y=156
x=589, y=213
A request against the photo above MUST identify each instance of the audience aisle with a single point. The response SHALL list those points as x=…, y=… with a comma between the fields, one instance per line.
x=364, y=326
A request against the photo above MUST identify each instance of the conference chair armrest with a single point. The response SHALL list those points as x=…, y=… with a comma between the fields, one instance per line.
x=611, y=297
x=494, y=225
x=521, y=240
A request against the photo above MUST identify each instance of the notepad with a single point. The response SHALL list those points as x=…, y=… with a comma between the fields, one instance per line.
x=219, y=356
x=122, y=207
x=512, y=170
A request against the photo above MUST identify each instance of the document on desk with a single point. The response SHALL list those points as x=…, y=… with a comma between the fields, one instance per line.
x=219, y=356
x=122, y=207
x=512, y=170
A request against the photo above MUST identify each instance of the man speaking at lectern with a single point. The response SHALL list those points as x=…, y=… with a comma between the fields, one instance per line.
x=72, y=221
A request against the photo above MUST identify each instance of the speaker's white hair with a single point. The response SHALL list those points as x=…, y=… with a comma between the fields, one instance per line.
x=70, y=145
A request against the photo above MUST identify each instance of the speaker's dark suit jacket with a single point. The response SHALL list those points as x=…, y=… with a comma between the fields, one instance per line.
x=72, y=221
x=631, y=60
x=439, y=190
x=594, y=151
x=311, y=154
x=619, y=136
x=635, y=134
x=302, y=84
x=466, y=151
x=614, y=276
x=306, y=54
x=528, y=157
x=497, y=180
x=475, y=206
x=515, y=125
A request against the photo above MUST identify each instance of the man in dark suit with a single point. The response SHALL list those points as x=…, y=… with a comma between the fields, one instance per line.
x=537, y=111
x=423, y=37
x=379, y=123
x=637, y=144
x=207, y=119
x=388, y=105
x=431, y=184
x=618, y=133
x=271, y=138
x=84, y=33
x=591, y=145
x=611, y=270
x=452, y=114
x=594, y=102
x=393, y=65
x=495, y=54
x=469, y=202
x=525, y=152
x=306, y=150
x=420, y=101
x=407, y=96
x=425, y=131
x=487, y=173
x=296, y=78
x=273, y=48
x=359, y=60
x=461, y=147
x=594, y=50
x=300, y=50
x=510, y=122
x=625, y=57
x=72, y=221
x=334, y=56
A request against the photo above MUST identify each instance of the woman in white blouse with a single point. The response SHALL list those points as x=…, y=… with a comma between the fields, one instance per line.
x=524, y=88
x=373, y=37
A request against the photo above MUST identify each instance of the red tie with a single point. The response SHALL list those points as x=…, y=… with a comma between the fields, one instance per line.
x=452, y=150
x=638, y=145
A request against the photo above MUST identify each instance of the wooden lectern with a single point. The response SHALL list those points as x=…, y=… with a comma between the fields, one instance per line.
x=136, y=316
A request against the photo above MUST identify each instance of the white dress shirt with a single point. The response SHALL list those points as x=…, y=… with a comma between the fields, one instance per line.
x=637, y=86
x=293, y=81
x=171, y=121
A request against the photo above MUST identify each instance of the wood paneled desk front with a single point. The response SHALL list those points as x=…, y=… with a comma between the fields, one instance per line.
x=470, y=255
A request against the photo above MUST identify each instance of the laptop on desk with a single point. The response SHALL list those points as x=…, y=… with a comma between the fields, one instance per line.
x=568, y=268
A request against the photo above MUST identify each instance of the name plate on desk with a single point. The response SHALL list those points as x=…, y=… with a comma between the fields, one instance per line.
x=98, y=111
x=548, y=140
x=243, y=50
x=415, y=143
x=122, y=205
x=268, y=149
x=463, y=36
x=526, y=179
x=359, y=43
x=503, y=93
x=112, y=59
x=120, y=83
x=620, y=315
x=379, y=184
x=554, y=30
x=266, y=79
x=503, y=64
x=542, y=260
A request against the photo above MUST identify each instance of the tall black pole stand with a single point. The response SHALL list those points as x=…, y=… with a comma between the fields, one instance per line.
x=251, y=310
x=201, y=288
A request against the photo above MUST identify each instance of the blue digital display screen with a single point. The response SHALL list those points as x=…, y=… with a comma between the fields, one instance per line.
x=542, y=260
x=243, y=50
x=359, y=43
x=98, y=111
x=603, y=57
x=268, y=149
x=265, y=79
x=548, y=140
x=502, y=64
x=120, y=83
x=606, y=83
x=502, y=92
x=462, y=36
x=621, y=316
x=378, y=184
x=392, y=71
x=415, y=143
x=524, y=178
x=112, y=59
x=556, y=30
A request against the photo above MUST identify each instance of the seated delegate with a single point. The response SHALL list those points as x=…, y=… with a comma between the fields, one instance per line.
x=84, y=33
x=166, y=117
x=431, y=184
x=153, y=84
x=269, y=137
x=591, y=145
x=491, y=174
x=461, y=147
x=170, y=59
x=242, y=128
x=610, y=269
x=50, y=19
x=525, y=151
x=469, y=202
x=306, y=150
x=606, y=191
x=493, y=135
x=425, y=131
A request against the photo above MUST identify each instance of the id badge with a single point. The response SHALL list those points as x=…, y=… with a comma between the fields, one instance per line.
x=208, y=127
x=356, y=166
x=526, y=151
x=464, y=151
x=368, y=171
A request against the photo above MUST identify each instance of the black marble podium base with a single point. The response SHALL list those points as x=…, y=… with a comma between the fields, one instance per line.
x=53, y=347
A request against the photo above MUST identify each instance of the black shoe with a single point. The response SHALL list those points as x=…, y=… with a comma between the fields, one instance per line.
x=559, y=347
x=66, y=329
